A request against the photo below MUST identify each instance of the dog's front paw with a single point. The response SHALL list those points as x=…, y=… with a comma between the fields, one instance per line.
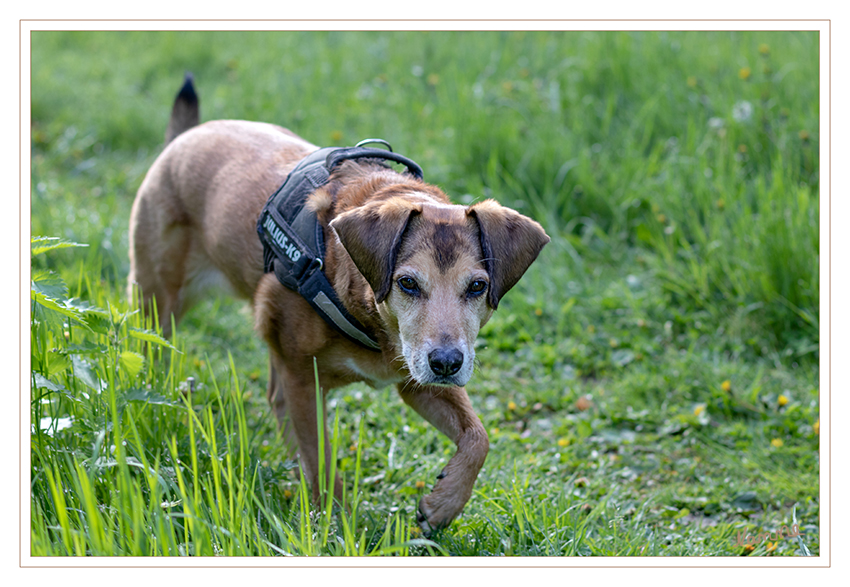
x=436, y=513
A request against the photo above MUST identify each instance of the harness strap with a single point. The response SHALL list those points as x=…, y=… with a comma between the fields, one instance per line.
x=293, y=241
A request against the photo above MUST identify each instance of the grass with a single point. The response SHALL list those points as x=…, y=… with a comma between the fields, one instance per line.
x=650, y=386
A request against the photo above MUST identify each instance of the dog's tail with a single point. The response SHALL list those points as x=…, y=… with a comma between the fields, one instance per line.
x=186, y=111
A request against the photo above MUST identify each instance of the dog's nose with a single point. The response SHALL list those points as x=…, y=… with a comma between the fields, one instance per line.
x=445, y=361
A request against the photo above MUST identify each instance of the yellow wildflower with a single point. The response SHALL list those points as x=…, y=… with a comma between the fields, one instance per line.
x=744, y=73
x=777, y=442
x=764, y=49
x=433, y=79
x=563, y=442
x=699, y=409
x=538, y=312
x=782, y=400
x=287, y=493
x=662, y=218
x=420, y=485
x=511, y=406
x=771, y=546
x=816, y=427
x=726, y=385
x=804, y=135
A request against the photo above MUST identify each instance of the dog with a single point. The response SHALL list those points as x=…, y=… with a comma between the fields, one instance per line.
x=421, y=274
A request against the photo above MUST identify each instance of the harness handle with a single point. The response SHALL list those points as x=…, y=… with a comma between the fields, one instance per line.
x=339, y=155
x=376, y=141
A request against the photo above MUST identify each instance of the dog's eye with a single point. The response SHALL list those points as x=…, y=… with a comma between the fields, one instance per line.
x=477, y=287
x=408, y=285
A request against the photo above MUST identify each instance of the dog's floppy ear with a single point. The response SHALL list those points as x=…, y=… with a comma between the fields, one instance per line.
x=510, y=243
x=371, y=235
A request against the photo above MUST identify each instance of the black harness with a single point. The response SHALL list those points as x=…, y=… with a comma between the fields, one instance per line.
x=293, y=241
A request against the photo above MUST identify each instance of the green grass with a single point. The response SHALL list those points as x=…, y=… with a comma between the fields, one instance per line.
x=650, y=386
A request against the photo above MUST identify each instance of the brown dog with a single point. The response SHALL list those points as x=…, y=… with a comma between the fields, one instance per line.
x=422, y=274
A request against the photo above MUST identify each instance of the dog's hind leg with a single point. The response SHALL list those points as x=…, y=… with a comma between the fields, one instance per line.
x=157, y=265
x=166, y=259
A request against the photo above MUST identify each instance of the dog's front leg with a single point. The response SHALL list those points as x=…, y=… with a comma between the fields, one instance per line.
x=450, y=411
x=294, y=402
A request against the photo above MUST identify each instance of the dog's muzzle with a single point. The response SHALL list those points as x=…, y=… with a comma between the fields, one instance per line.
x=443, y=365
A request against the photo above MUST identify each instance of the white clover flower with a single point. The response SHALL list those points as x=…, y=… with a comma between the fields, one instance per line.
x=742, y=111
x=715, y=122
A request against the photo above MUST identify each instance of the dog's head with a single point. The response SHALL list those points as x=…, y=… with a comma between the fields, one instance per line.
x=438, y=271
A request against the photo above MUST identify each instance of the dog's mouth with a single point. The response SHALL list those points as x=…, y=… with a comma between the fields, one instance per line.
x=444, y=381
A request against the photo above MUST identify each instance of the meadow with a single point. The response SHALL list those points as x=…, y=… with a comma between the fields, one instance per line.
x=650, y=387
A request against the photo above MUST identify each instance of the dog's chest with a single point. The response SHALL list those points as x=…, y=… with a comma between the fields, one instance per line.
x=376, y=375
